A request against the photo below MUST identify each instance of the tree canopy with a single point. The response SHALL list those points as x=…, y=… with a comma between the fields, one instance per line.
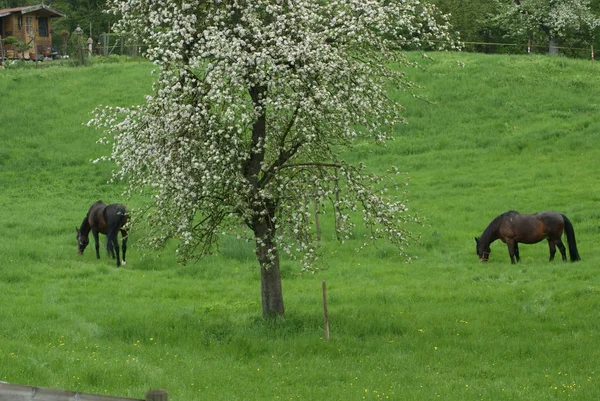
x=254, y=102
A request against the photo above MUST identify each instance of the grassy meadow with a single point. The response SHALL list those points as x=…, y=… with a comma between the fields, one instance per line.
x=485, y=134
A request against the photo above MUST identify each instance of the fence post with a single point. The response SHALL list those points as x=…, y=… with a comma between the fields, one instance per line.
x=317, y=221
x=325, y=314
x=336, y=209
x=2, y=52
x=157, y=395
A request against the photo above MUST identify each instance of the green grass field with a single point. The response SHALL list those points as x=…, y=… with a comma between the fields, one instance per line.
x=485, y=134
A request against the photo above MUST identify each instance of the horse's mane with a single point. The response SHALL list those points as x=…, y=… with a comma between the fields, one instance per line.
x=85, y=225
x=493, y=227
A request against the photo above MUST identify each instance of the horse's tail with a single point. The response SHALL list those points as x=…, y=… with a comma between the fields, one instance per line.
x=570, y=232
x=115, y=224
x=111, y=239
x=121, y=216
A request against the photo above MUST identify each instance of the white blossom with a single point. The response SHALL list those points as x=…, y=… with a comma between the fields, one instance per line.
x=253, y=102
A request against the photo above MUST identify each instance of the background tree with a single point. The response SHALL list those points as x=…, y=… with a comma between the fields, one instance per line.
x=549, y=20
x=87, y=14
x=16, y=3
x=254, y=102
x=484, y=26
x=470, y=19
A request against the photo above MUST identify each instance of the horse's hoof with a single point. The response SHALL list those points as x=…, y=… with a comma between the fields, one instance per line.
x=123, y=263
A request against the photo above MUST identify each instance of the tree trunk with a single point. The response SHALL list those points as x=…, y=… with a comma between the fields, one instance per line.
x=263, y=221
x=553, y=46
x=270, y=275
x=271, y=292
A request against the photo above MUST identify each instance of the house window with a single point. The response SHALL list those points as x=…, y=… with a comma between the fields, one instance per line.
x=29, y=25
x=43, y=26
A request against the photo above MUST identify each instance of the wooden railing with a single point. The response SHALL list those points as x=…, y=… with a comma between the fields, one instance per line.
x=16, y=392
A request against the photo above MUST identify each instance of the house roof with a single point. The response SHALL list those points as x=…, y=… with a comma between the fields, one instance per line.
x=41, y=9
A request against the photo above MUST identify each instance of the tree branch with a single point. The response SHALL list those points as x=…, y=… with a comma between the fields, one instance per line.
x=315, y=164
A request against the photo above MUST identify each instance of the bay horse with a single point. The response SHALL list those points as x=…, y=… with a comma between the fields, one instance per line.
x=513, y=228
x=108, y=220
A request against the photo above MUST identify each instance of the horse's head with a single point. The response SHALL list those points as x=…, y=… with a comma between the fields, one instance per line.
x=82, y=241
x=482, y=251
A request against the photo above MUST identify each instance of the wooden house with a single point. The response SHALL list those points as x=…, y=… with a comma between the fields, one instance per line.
x=32, y=25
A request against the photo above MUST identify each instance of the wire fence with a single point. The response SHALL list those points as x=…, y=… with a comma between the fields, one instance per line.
x=126, y=48
x=110, y=44
x=585, y=52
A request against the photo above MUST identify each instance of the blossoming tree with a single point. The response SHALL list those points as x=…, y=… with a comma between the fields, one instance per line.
x=254, y=102
x=553, y=19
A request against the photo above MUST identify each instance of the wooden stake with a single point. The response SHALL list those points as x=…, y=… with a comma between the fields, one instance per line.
x=337, y=211
x=317, y=221
x=325, y=317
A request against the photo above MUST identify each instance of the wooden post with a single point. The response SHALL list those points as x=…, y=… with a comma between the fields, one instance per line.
x=306, y=220
x=157, y=395
x=325, y=316
x=1, y=52
x=337, y=211
x=317, y=221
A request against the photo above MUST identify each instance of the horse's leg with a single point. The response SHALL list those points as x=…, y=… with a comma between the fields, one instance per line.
x=117, y=252
x=561, y=248
x=115, y=240
x=552, y=248
x=511, y=250
x=517, y=256
x=124, y=237
x=97, y=243
x=113, y=244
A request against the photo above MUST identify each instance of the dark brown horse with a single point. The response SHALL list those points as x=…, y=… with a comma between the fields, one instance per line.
x=513, y=227
x=107, y=220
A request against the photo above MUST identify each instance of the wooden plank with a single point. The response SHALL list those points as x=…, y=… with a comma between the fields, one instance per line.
x=157, y=395
x=16, y=392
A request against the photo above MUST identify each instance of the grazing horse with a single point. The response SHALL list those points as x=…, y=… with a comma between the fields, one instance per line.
x=108, y=220
x=513, y=227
